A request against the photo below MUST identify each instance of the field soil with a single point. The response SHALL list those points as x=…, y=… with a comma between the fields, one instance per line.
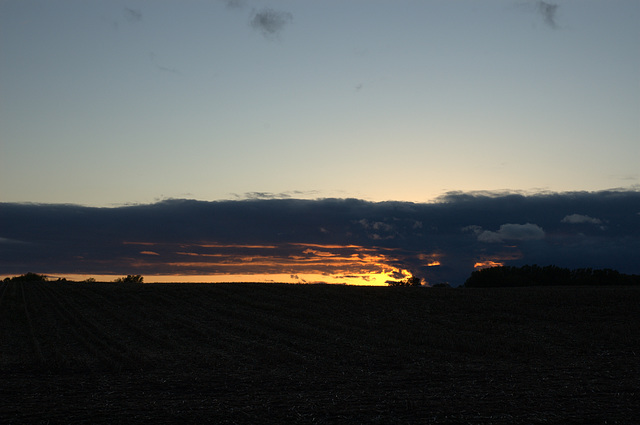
x=317, y=354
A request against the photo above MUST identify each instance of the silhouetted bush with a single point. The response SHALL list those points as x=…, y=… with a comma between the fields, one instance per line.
x=410, y=281
x=130, y=279
x=510, y=276
x=27, y=277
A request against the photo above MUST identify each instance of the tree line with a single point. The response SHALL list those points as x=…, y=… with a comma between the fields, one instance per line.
x=35, y=277
x=511, y=276
x=503, y=276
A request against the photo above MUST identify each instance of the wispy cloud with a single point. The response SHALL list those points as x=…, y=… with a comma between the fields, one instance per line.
x=132, y=15
x=441, y=241
x=579, y=218
x=149, y=253
x=280, y=195
x=270, y=22
x=548, y=12
x=152, y=57
x=234, y=4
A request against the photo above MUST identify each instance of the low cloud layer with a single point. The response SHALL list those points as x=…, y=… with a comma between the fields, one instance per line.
x=441, y=241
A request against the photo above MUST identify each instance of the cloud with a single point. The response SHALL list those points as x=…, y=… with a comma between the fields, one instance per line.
x=472, y=228
x=517, y=232
x=270, y=22
x=234, y=4
x=149, y=253
x=152, y=57
x=579, y=218
x=325, y=237
x=10, y=241
x=132, y=15
x=281, y=195
x=377, y=229
x=265, y=195
x=548, y=12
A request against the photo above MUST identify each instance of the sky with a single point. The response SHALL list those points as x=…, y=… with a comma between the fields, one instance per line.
x=162, y=105
x=106, y=103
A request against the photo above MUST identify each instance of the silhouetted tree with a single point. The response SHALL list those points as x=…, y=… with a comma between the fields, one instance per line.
x=414, y=281
x=28, y=277
x=507, y=276
x=410, y=281
x=130, y=279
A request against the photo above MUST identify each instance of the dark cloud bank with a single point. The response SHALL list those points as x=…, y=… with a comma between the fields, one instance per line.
x=439, y=242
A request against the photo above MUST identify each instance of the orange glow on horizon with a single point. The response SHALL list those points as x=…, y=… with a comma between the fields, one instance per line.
x=361, y=279
x=287, y=263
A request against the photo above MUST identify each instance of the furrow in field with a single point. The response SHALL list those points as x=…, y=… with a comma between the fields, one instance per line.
x=51, y=330
x=99, y=348
x=249, y=332
x=14, y=329
x=145, y=339
x=3, y=288
x=291, y=329
x=264, y=322
x=331, y=333
x=34, y=340
x=124, y=315
x=199, y=331
x=282, y=327
x=190, y=333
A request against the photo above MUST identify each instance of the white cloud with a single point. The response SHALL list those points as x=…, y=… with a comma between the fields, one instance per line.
x=579, y=218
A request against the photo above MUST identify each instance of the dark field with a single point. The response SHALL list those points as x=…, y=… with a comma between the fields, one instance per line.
x=251, y=353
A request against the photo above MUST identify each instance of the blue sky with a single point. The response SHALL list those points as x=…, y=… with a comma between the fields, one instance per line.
x=114, y=102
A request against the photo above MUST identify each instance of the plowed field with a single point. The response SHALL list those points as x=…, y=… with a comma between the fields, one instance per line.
x=273, y=354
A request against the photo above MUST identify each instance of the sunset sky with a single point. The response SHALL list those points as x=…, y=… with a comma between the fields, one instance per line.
x=132, y=103
x=330, y=240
